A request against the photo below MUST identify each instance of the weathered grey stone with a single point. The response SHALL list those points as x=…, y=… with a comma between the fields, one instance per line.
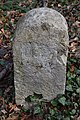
x=40, y=54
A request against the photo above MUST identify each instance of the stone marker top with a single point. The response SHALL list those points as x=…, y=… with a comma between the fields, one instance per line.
x=44, y=17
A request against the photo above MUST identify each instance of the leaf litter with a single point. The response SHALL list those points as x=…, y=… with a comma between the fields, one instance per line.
x=69, y=102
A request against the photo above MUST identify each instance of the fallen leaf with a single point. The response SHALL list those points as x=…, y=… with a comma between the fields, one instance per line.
x=30, y=1
x=77, y=23
x=72, y=68
x=6, y=56
x=2, y=30
x=1, y=22
x=74, y=44
x=4, y=111
x=16, y=109
x=13, y=117
x=0, y=42
x=12, y=107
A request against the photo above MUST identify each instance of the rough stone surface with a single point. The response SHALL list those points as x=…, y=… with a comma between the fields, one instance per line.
x=40, y=54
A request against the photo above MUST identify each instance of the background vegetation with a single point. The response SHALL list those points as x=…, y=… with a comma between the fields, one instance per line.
x=63, y=107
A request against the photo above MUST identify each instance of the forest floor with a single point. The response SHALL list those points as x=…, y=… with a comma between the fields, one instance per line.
x=63, y=107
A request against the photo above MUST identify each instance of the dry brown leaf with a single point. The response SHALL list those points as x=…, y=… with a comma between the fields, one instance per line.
x=77, y=23
x=13, y=118
x=12, y=107
x=24, y=117
x=0, y=41
x=12, y=20
x=2, y=30
x=72, y=48
x=2, y=99
x=16, y=109
x=10, y=12
x=72, y=68
x=72, y=18
x=30, y=1
x=74, y=43
x=21, y=14
x=1, y=22
x=4, y=111
x=6, y=56
x=72, y=55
